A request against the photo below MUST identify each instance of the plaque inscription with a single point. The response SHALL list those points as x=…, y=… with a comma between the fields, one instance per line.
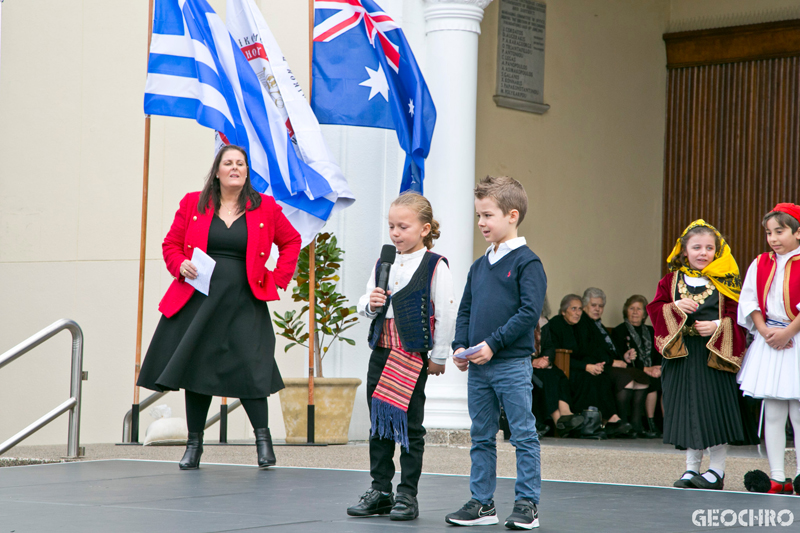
x=520, y=55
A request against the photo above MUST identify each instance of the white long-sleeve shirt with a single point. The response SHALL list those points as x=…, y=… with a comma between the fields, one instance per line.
x=748, y=299
x=445, y=308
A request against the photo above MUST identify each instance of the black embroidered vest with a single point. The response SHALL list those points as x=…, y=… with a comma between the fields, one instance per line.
x=413, y=308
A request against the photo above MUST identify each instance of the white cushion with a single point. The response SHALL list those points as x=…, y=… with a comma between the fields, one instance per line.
x=166, y=432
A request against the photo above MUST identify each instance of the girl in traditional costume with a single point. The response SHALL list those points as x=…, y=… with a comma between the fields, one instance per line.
x=694, y=317
x=769, y=308
x=413, y=324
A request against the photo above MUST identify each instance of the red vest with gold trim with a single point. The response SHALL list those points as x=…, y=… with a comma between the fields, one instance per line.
x=765, y=272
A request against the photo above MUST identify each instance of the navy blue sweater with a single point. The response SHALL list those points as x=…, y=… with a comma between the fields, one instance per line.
x=502, y=303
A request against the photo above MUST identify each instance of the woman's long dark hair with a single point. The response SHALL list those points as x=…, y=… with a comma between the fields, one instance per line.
x=211, y=191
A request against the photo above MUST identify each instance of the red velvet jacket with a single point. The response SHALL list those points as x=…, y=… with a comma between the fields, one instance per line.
x=265, y=225
x=727, y=343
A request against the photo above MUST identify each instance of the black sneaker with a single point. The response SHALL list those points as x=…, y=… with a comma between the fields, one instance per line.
x=473, y=514
x=405, y=507
x=525, y=515
x=371, y=503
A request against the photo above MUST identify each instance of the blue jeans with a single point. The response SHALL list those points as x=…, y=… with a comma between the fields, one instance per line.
x=505, y=382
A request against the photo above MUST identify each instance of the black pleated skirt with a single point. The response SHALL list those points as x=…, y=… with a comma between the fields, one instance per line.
x=703, y=407
x=222, y=344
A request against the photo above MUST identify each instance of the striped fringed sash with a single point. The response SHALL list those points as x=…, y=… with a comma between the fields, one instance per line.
x=395, y=386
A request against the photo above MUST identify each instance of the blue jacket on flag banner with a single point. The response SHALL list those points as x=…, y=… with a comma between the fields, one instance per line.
x=365, y=75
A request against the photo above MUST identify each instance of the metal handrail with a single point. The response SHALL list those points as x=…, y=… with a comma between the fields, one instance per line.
x=73, y=405
x=150, y=400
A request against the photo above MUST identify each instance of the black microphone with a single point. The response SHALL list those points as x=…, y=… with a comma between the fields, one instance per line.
x=388, y=253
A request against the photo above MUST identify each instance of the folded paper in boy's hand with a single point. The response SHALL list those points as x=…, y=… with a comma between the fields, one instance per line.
x=470, y=351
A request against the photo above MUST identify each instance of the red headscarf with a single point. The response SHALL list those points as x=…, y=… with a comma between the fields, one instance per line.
x=790, y=209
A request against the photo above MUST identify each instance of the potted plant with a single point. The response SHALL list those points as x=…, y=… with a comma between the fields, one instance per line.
x=333, y=397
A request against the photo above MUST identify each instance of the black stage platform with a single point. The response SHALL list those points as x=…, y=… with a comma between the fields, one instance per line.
x=122, y=496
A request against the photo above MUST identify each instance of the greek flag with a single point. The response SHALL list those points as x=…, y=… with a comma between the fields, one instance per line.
x=197, y=71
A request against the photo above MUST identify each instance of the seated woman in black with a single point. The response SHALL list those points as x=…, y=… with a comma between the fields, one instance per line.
x=625, y=378
x=593, y=372
x=553, y=399
x=634, y=339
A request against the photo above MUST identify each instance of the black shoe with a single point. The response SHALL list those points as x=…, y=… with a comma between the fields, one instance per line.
x=685, y=483
x=194, y=449
x=702, y=483
x=618, y=430
x=266, y=454
x=405, y=507
x=651, y=432
x=473, y=514
x=542, y=428
x=569, y=423
x=371, y=503
x=524, y=516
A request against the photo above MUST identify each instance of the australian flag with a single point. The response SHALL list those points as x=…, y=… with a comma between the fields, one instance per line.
x=365, y=75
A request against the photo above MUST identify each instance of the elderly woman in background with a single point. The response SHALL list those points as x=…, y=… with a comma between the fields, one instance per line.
x=553, y=398
x=222, y=344
x=634, y=339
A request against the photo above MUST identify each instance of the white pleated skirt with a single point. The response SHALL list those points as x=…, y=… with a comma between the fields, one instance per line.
x=771, y=374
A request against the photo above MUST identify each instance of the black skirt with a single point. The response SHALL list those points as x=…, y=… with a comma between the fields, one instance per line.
x=222, y=344
x=702, y=405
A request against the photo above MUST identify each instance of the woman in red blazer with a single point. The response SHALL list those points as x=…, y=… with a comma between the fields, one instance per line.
x=222, y=344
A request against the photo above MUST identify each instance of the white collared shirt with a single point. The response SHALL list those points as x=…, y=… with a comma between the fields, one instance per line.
x=504, y=249
x=403, y=269
x=748, y=299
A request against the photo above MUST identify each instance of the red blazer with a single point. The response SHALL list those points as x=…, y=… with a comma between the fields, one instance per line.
x=265, y=225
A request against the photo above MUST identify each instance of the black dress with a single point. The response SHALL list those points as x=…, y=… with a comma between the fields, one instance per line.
x=623, y=342
x=221, y=344
x=702, y=405
x=554, y=383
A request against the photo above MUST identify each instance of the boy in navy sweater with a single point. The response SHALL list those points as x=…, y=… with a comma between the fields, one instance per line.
x=499, y=310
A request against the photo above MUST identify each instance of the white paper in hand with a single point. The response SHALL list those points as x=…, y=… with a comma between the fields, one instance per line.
x=470, y=351
x=205, y=267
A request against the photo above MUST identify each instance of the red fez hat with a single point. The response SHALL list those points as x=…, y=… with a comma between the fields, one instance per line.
x=790, y=209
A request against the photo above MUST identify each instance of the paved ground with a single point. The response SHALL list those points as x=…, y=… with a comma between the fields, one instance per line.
x=638, y=462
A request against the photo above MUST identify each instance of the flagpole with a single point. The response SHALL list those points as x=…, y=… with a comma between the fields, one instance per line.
x=312, y=256
x=142, y=250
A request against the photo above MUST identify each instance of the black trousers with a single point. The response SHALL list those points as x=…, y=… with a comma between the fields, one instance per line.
x=381, y=451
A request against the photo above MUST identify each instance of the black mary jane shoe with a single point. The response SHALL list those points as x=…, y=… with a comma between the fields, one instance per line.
x=685, y=483
x=266, y=454
x=405, y=507
x=372, y=503
x=702, y=483
x=194, y=449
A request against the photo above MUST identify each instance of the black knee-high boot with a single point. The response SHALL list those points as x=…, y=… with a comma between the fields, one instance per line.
x=194, y=449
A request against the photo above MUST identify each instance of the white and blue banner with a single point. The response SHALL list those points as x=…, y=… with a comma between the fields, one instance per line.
x=196, y=70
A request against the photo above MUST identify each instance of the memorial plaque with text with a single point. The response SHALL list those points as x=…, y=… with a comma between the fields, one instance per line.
x=520, y=55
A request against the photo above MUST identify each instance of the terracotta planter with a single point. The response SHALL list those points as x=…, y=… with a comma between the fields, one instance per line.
x=333, y=409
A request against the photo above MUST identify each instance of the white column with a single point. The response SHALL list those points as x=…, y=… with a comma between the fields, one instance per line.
x=451, y=71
